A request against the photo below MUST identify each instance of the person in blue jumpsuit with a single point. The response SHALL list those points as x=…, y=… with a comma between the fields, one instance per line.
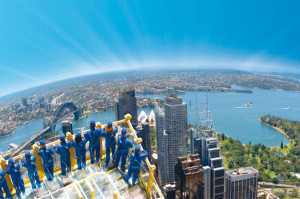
x=79, y=145
x=63, y=151
x=3, y=185
x=46, y=153
x=135, y=163
x=93, y=136
x=29, y=163
x=13, y=169
x=123, y=145
x=110, y=141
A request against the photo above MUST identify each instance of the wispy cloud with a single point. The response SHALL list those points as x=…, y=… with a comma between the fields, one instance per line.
x=21, y=74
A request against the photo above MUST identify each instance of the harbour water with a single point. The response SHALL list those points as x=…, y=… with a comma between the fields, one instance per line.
x=228, y=110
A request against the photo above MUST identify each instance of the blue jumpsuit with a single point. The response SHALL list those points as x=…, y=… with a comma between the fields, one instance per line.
x=32, y=171
x=135, y=164
x=80, y=153
x=16, y=178
x=63, y=151
x=123, y=145
x=93, y=136
x=110, y=142
x=3, y=185
x=47, y=161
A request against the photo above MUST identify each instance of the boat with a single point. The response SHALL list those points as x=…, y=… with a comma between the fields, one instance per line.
x=12, y=146
x=249, y=104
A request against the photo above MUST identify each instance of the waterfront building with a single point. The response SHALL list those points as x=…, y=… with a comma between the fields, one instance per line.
x=67, y=127
x=171, y=127
x=126, y=104
x=242, y=183
x=189, y=176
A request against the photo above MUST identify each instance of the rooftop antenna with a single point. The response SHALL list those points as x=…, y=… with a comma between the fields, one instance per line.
x=206, y=126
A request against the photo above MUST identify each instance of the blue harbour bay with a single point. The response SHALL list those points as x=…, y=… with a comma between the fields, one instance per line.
x=228, y=110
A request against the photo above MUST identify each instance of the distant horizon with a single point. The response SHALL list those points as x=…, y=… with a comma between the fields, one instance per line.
x=140, y=70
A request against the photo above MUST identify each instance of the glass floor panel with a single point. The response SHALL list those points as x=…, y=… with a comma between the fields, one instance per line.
x=41, y=191
x=100, y=179
x=107, y=189
x=137, y=191
x=72, y=193
x=81, y=174
x=60, y=194
x=53, y=185
x=85, y=189
x=114, y=174
x=121, y=185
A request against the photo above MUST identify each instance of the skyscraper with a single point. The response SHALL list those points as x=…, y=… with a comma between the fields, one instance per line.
x=160, y=128
x=189, y=177
x=210, y=154
x=126, y=104
x=171, y=126
x=24, y=101
x=143, y=131
x=67, y=127
x=242, y=183
x=206, y=145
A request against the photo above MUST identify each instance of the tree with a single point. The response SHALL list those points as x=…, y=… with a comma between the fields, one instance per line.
x=253, y=161
x=223, y=136
x=231, y=164
x=281, y=145
x=275, y=180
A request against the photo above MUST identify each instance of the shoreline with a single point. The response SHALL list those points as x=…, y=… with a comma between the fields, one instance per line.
x=279, y=130
x=3, y=136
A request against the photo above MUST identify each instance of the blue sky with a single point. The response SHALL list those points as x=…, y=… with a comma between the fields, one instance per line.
x=49, y=40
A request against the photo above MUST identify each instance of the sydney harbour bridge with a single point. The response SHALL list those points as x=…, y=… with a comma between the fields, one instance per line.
x=63, y=111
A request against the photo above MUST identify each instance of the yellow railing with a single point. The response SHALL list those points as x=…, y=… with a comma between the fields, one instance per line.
x=148, y=184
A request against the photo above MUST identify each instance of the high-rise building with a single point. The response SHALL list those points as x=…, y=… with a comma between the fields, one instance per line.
x=242, y=183
x=24, y=101
x=143, y=131
x=171, y=127
x=169, y=191
x=207, y=182
x=154, y=161
x=193, y=134
x=210, y=154
x=126, y=104
x=204, y=142
x=189, y=176
x=67, y=127
x=160, y=128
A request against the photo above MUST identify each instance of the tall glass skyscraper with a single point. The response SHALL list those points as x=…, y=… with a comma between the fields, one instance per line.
x=126, y=104
x=171, y=126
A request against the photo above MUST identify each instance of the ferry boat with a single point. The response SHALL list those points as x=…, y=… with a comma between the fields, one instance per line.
x=12, y=146
x=249, y=104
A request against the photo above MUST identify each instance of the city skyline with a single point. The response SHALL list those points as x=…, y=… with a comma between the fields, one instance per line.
x=47, y=42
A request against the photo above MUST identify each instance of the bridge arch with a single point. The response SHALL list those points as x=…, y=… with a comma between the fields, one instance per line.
x=59, y=113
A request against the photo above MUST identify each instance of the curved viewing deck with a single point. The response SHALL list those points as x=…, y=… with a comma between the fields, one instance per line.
x=96, y=181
